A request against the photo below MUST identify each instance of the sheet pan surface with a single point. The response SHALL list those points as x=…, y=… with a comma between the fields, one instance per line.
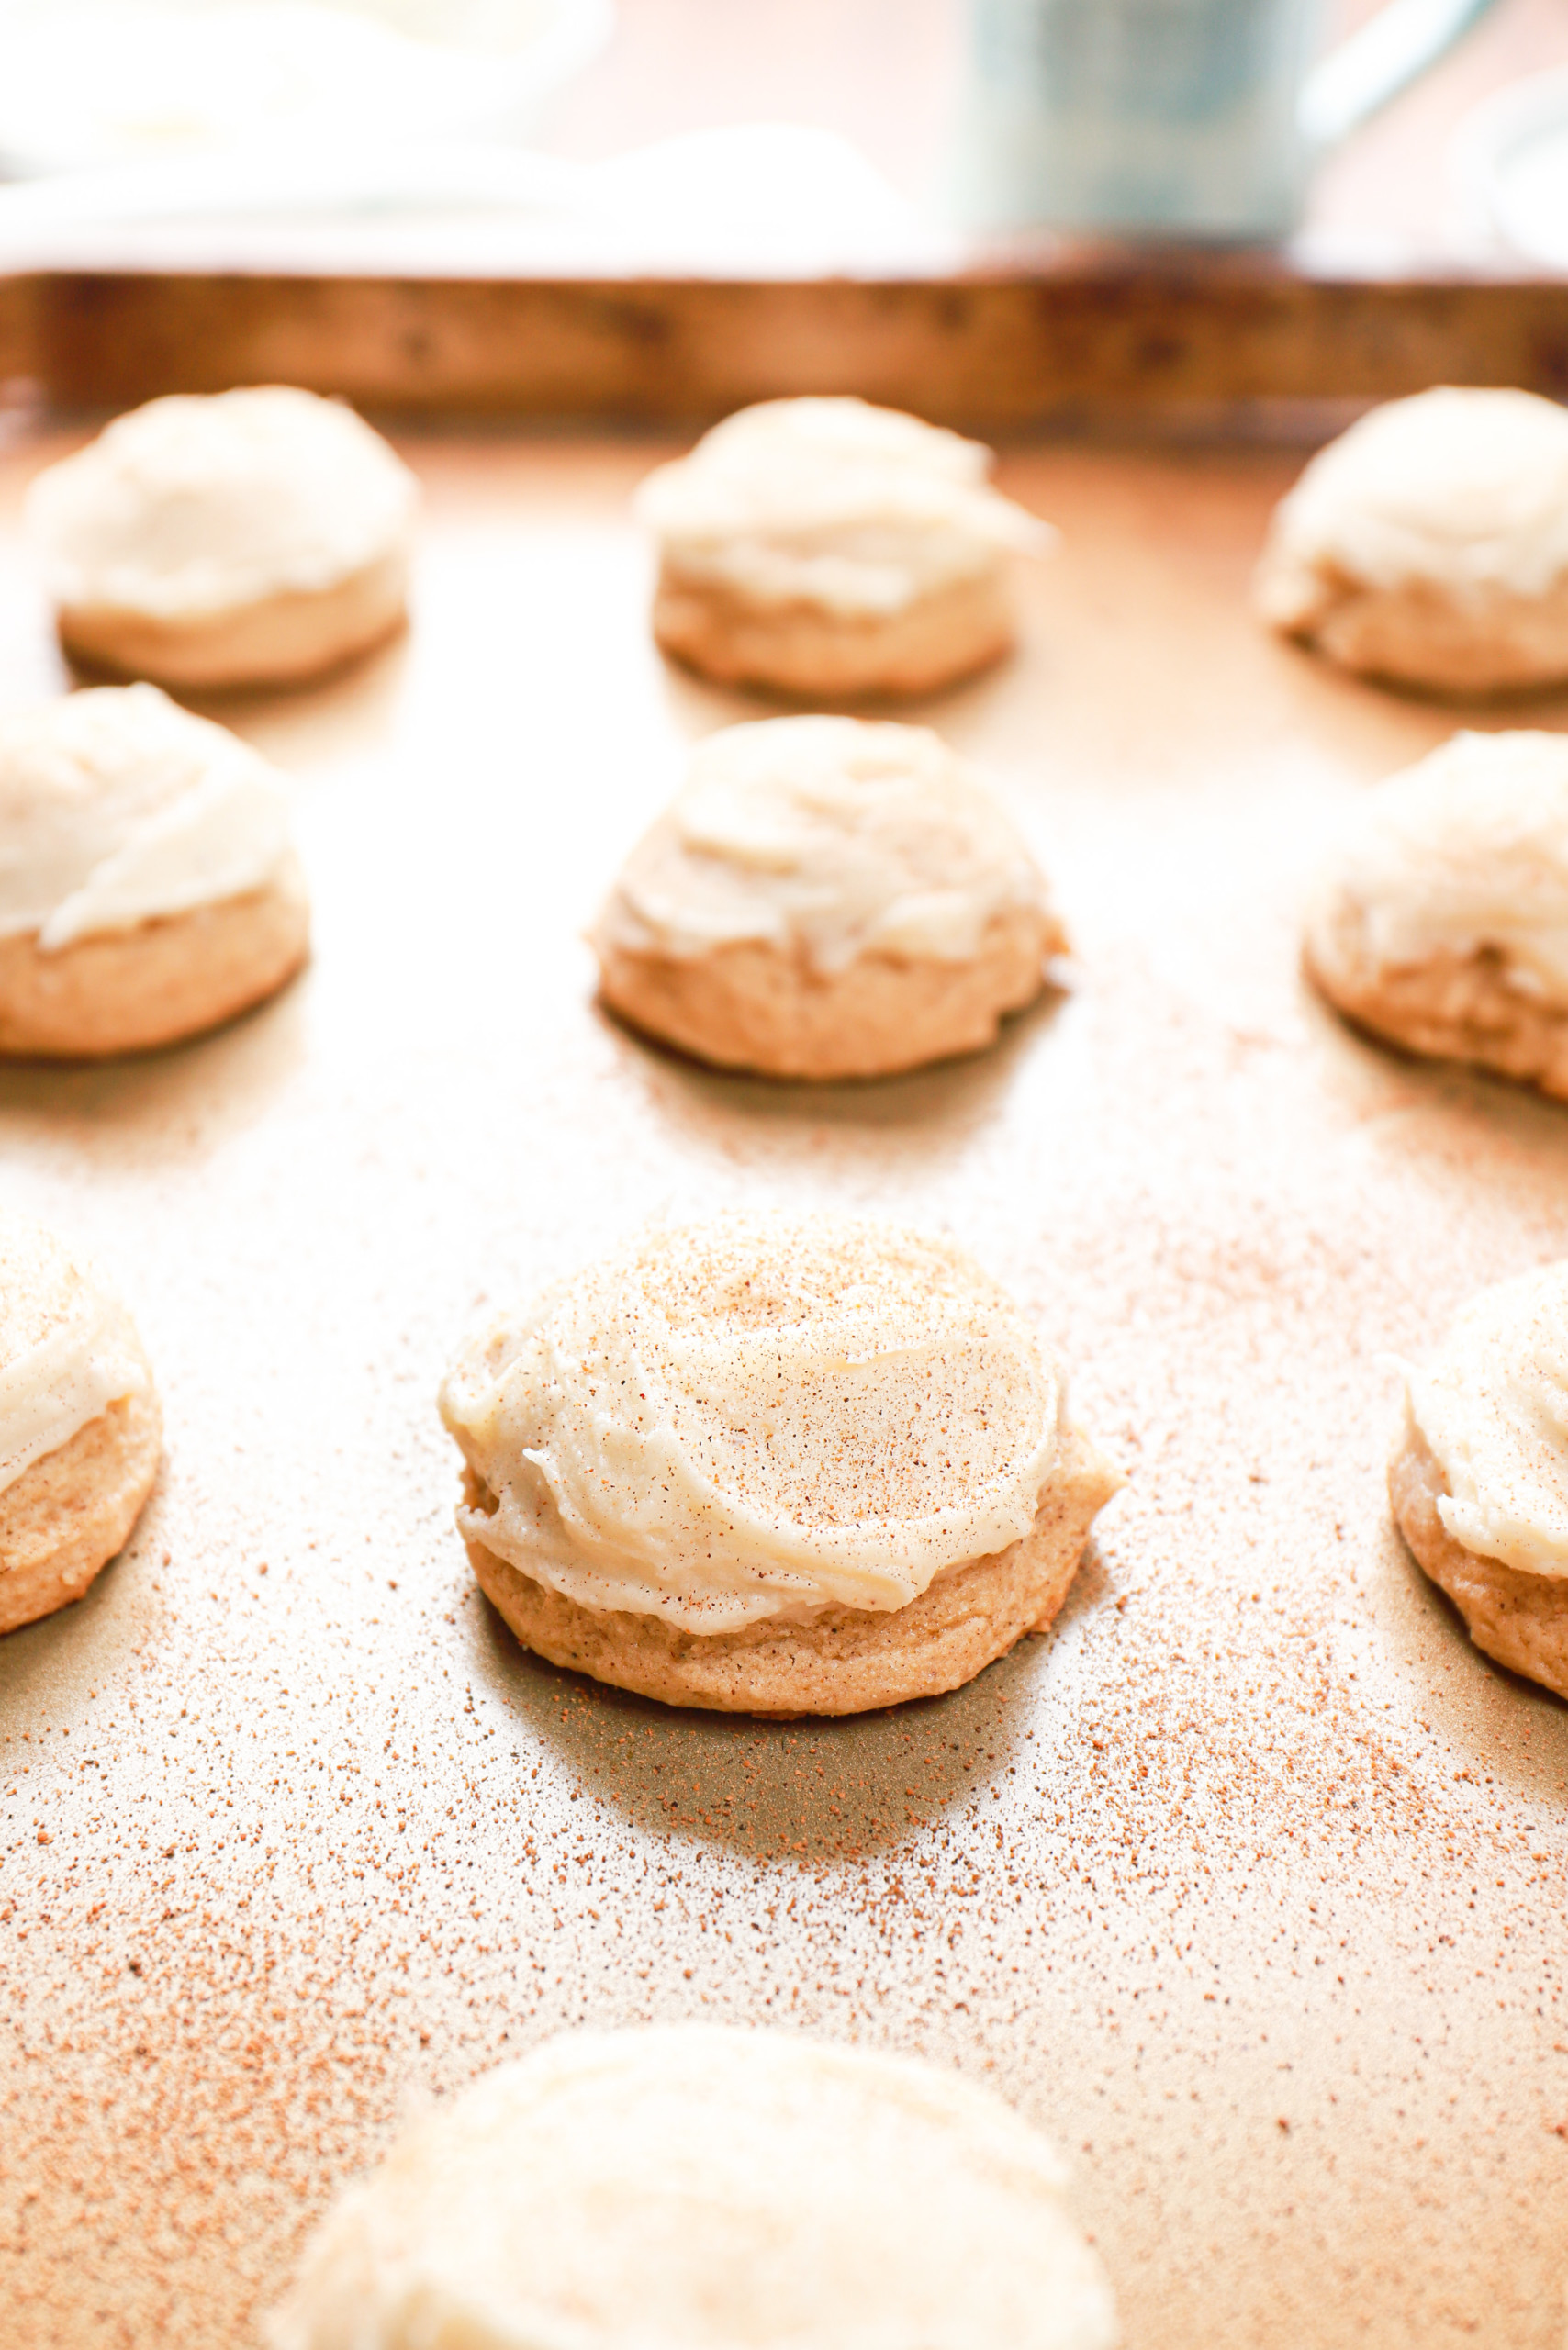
x=1248, y=1883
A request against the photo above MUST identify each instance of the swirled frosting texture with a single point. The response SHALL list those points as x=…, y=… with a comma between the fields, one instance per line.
x=690, y=2187
x=1494, y=1411
x=67, y=1351
x=827, y=834
x=117, y=806
x=858, y=510
x=194, y=505
x=1466, y=850
x=1459, y=488
x=755, y=1417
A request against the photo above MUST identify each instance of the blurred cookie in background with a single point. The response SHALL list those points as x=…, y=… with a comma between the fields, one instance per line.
x=149, y=886
x=1428, y=544
x=81, y=1432
x=1440, y=921
x=244, y=538
x=1479, y=1477
x=829, y=550
x=827, y=898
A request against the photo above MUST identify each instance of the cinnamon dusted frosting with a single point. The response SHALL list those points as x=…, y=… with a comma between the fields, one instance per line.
x=1463, y=489
x=67, y=1351
x=831, y=834
x=693, y=2187
x=194, y=506
x=1494, y=1411
x=755, y=1417
x=1466, y=850
x=117, y=806
x=858, y=509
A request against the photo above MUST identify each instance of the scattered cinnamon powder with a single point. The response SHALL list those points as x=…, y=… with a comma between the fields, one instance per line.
x=1254, y=1838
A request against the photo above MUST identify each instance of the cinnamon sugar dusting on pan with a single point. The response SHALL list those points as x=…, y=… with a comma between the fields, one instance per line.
x=1254, y=1838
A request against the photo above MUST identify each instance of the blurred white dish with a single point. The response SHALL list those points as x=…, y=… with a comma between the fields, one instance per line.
x=87, y=82
x=1510, y=158
x=758, y=199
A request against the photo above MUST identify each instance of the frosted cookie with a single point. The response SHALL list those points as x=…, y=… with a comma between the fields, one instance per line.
x=1479, y=1483
x=771, y=1466
x=147, y=885
x=1442, y=922
x=826, y=898
x=693, y=2187
x=250, y=537
x=80, y=1429
x=1430, y=544
x=831, y=549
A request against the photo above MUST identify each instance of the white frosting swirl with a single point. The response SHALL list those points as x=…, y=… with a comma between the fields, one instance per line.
x=859, y=510
x=829, y=835
x=117, y=806
x=67, y=1351
x=194, y=505
x=1494, y=1412
x=755, y=1417
x=693, y=2187
x=1467, y=849
x=1464, y=489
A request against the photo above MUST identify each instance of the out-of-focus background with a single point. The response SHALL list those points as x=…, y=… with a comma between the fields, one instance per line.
x=883, y=74
x=470, y=134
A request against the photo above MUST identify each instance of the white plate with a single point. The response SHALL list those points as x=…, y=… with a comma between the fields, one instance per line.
x=86, y=82
x=1510, y=158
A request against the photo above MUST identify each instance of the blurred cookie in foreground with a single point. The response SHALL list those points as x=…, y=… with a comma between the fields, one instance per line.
x=1428, y=545
x=246, y=538
x=148, y=888
x=694, y=2187
x=830, y=549
x=772, y=1465
x=1478, y=1482
x=80, y=1428
x=826, y=898
x=1442, y=921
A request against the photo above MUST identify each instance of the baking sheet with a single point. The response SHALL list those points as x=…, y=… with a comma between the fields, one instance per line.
x=1248, y=1884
